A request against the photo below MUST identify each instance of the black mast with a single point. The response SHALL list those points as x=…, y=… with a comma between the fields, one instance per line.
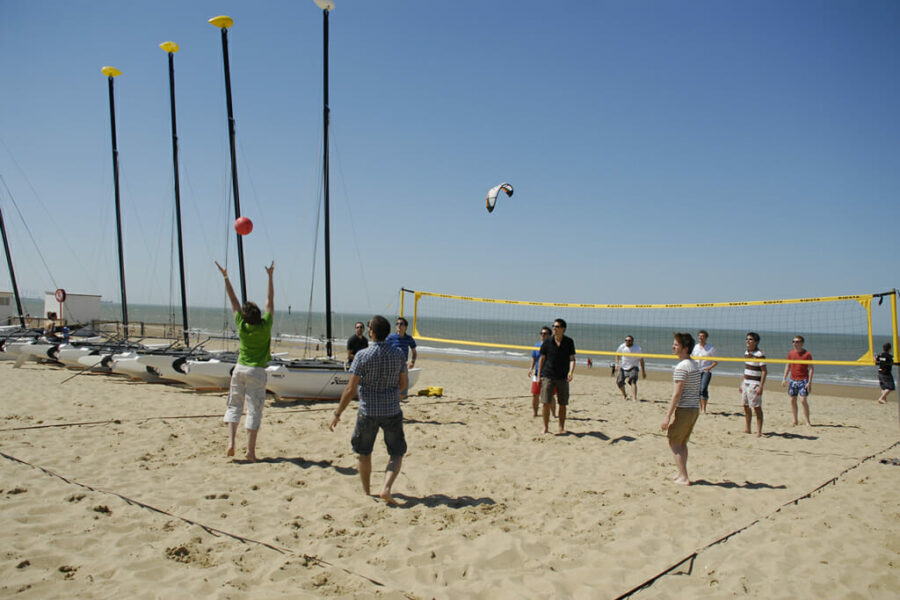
x=224, y=22
x=171, y=48
x=110, y=73
x=326, y=6
x=12, y=272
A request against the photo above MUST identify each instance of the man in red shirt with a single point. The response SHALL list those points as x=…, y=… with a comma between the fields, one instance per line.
x=801, y=375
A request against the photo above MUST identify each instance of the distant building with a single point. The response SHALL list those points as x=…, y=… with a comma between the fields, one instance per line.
x=7, y=308
x=77, y=308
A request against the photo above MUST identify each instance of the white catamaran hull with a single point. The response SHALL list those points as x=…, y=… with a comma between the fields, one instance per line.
x=312, y=383
x=208, y=374
x=29, y=350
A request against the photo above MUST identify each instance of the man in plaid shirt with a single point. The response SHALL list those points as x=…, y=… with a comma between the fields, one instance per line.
x=379, y=372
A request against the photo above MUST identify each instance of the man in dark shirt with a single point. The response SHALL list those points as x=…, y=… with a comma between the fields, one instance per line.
x=557, y=367
x=885, y=362
x=357, y=341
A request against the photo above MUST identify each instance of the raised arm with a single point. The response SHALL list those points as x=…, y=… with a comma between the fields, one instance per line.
x=235, y=305
x=270, y=294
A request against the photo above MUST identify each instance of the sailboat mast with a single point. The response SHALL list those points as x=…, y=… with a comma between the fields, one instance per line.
x=110, y=73
x=171, y=48
x=12, y=272
x=224, y=22
x=326, y=7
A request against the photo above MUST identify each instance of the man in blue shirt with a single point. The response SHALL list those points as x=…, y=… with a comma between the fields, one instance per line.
x=404, y=341
x=378, y=373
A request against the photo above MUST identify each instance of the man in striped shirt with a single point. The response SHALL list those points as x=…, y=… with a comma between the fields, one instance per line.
x=378, y=373
x=752, y=386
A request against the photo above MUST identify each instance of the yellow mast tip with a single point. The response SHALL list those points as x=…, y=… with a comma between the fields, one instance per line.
x=222, y=21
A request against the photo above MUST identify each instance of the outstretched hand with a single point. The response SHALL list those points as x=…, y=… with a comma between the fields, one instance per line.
x=270, y=269
x=221, y=269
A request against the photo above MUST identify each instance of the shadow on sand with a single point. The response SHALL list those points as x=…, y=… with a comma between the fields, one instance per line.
x=306, y=464
x=747, y=485
x=790, y=436
x=441, y=500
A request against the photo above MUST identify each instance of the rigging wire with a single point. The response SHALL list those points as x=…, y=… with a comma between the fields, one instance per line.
x=64, y=239
x=28, y=230
x=319, y=203
x=354, y=237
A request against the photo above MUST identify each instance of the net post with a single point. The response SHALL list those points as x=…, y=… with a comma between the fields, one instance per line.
x=894, y=324
x=894, y=334
x=415, y=327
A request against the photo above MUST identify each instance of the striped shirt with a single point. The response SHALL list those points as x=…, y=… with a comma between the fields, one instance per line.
x=379, y=367
x=753, y=370
x=688, y=372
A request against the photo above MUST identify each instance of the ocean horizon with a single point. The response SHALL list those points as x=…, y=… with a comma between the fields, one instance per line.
x=309, y=328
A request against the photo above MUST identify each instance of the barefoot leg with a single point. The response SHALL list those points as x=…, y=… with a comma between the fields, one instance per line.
x=365, y=472
x=232, y=432
x=390, y=476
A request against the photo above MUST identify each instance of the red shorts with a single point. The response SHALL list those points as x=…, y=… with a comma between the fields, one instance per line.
x=535, y=388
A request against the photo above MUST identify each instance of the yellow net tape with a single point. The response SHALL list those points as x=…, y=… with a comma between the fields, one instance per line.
x=838, y=329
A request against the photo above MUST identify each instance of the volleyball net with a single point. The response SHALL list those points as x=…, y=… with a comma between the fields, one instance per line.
x=838, y=330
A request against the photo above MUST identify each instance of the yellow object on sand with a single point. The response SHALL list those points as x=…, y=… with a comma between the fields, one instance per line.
x=431, y=391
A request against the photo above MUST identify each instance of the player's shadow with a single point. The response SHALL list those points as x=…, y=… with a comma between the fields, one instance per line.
x=726, y=414
x=790, y=436
x=569, y=417
x=308, y=464
x=832, y=425
x=418, y=422
x=747, y=485
x=596, y=434
x=623, y=438
x=434, y=500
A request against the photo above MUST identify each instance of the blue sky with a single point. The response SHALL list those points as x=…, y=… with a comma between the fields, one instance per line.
x=660, y=151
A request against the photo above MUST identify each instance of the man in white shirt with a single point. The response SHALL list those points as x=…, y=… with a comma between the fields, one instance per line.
x=627, y=366
x=703, y=350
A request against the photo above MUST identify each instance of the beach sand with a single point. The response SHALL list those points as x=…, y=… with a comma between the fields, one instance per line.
x=112, y=488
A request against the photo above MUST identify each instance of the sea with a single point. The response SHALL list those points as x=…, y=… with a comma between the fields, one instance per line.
x=596, y=341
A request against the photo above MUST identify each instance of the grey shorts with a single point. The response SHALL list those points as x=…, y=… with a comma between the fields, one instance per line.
x=630, y=374
x=562, y=391
x=363, y=440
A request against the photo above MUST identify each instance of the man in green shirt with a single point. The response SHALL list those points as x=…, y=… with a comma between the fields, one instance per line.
x=248, y=380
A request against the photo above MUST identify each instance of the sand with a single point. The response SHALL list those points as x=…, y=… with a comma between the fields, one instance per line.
x=115, y=489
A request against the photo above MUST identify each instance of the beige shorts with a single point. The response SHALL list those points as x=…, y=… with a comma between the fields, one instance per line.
x=679, y=432
x=748, y=394
x=247, y=383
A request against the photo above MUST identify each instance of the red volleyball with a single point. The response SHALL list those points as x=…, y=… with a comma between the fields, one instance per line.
x=243, y=225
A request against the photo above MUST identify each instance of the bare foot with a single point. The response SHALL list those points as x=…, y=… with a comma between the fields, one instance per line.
x=682, y=480
x=545, y=430
x=794, y=424
x=747, y=431
x=759, y=434
x=386, y=496
x=561, y=431
x=230, y=451
x=880, y=401
x=250, y=457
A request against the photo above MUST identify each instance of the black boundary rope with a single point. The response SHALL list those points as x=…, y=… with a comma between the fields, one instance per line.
x=213, y=531
x=693, y=555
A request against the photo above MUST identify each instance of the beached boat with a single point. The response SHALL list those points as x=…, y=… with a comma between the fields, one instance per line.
x=325, y=378
x=309, y=379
